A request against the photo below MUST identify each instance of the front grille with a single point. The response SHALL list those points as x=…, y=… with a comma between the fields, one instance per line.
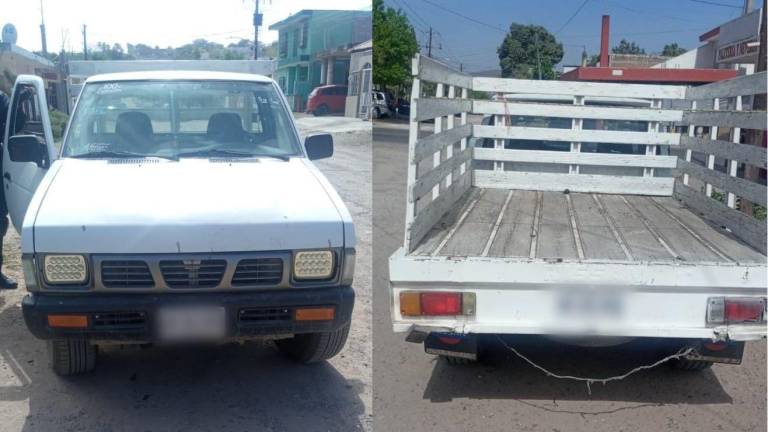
x=119, y=320
x=264, y=315
x=258, y=271
x=126, y=274
x=193, y=273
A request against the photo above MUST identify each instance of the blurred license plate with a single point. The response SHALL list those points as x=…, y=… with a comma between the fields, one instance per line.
x=590, y=304
x=192, y=323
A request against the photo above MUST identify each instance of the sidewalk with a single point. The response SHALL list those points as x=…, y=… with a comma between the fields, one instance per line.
x=331, y=124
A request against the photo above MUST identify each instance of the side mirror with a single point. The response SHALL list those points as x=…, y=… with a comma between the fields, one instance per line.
x=28, y=148
x=319, y=146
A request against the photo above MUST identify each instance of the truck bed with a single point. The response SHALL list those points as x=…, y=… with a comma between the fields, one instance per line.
x=580, y=227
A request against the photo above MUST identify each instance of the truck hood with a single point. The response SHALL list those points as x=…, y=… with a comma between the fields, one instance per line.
x=193, y=205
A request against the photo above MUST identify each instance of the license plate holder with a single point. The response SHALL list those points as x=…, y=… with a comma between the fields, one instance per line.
x=194, y=323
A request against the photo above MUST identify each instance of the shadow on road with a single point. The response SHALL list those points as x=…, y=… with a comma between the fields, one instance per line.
x=232, y=387
x=503, y=375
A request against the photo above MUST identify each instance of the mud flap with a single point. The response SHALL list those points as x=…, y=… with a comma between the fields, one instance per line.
x=718, y=352
x=451, y=345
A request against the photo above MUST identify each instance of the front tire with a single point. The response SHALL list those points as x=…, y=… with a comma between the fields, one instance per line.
x=376, y=113
x=72, y=356
x=310, y=348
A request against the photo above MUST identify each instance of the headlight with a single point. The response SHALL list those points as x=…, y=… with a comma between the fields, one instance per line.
x=64, y=269
x=313, y=265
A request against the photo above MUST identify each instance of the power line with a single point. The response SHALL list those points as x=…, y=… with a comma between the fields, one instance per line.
x=716, y=4
x=415, y=14
x=459, y=14
x=638, y=33
x=572, y=16
x=621, y=6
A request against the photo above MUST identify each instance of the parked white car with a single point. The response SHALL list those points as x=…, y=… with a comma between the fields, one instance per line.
x=382, y=105
x=181, y=207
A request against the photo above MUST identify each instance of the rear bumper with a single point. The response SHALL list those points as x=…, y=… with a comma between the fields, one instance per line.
x=132, y=317
x=521, y=296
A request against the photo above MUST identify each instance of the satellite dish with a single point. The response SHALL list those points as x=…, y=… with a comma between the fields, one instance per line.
x=9, y=34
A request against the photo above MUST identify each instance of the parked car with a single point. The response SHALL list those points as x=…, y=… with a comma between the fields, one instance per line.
x=176, y=223
x=329, y=99
x=402, y=108
x=382, y=104
x=557, y=234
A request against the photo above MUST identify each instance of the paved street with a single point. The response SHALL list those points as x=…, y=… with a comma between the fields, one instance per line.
x=232, y=388
x=415, y=391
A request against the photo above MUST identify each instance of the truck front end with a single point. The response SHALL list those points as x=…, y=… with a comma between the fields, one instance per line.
x=184, y=209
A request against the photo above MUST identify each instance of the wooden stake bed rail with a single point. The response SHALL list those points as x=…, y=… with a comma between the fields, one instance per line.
x=581, y=171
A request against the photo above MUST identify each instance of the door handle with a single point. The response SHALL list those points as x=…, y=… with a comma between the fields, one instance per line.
x=7, y=175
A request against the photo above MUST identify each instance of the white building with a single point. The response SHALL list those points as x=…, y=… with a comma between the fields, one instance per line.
x=732, y=45
x=358, y=103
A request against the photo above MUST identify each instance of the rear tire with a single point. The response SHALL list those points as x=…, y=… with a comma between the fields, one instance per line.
x=72, y=356
x=457, y=361
x=321, y=110
x=314, y=347
x=691, y=365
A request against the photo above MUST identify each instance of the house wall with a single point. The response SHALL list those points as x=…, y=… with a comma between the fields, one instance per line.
x=328, y=33
x=357, y=62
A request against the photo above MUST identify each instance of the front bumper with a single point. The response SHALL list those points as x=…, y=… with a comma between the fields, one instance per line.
x=132, y=317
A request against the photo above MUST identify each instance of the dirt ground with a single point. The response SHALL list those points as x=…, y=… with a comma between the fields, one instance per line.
x=416, y=391
x=231, y=388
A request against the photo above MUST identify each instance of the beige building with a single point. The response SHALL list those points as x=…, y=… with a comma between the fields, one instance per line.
x=15, y=61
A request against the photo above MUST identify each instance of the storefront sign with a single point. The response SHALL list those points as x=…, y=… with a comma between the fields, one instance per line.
x=737, y=50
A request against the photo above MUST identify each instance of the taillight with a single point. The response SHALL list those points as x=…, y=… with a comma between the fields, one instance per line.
x=436, y=303
x=440, y=303
x=724, y=310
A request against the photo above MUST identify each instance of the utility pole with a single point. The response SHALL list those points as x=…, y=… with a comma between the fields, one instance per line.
x=257, y=19
x=429, y=45
x=748, y=6
x=85, y=45
x=42, y=29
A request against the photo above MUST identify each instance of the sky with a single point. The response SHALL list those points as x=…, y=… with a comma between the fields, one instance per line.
x=152, y=22
x=472, y=39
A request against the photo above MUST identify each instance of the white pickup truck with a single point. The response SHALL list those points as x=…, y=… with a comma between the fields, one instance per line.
x=592, y=213
x=182, y=207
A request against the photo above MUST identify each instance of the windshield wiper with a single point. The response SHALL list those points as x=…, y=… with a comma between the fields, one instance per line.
x=230, y=153
x=117, y=154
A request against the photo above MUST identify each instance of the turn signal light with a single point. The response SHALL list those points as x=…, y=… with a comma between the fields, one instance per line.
x=68, y=321
x=437, y=303
x=315, y=314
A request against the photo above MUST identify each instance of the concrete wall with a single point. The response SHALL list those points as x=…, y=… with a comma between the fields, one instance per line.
x=79, y=70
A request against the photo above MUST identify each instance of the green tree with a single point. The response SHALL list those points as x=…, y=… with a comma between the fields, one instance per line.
x=673, y=50
x=526, y=47
x=626, y=47
x=394, y=43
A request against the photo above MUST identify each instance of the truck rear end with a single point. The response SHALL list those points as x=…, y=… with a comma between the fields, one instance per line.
x=589, y=212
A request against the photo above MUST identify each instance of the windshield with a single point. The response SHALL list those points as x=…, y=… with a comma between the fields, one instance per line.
x=174, y=119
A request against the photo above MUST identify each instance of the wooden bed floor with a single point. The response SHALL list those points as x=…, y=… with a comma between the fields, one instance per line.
x=579, y=226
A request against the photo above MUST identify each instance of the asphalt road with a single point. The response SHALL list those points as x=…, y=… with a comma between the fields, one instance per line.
x=230, y=388
x=415, y=391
